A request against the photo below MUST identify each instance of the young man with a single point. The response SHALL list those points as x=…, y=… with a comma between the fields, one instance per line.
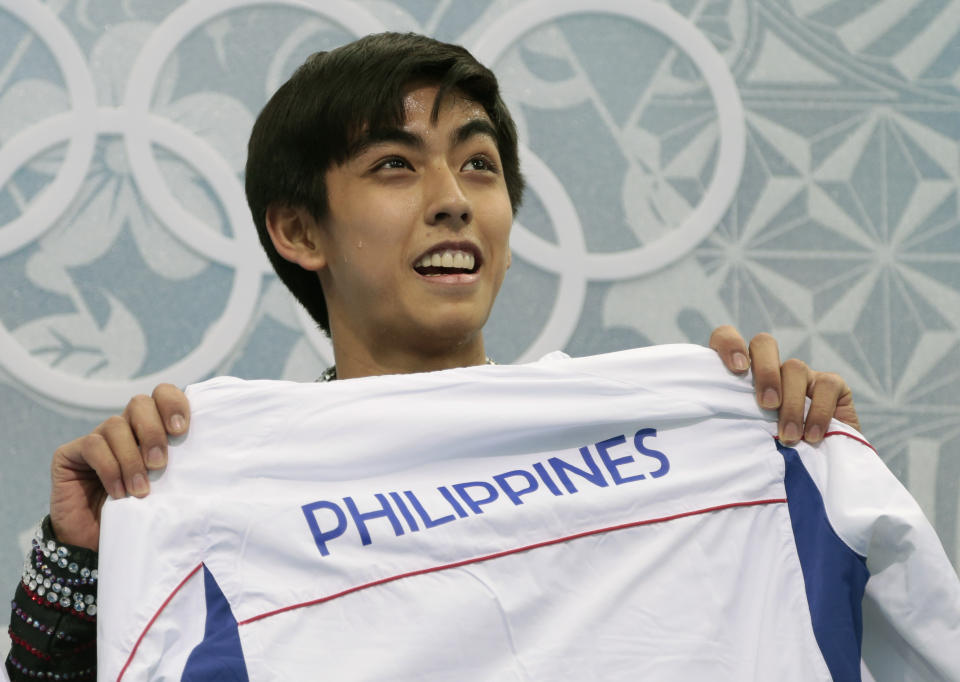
x=383, y=178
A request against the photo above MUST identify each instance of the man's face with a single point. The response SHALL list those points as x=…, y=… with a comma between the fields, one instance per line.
x=416, y=239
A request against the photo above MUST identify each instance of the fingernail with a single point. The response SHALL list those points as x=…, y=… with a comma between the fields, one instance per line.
x=140, y=486
x=791, y=433
x=177, y=423
x=770, y=399
x=155, y=458
x=814, y=434
x=119, y=492
x=740, y=362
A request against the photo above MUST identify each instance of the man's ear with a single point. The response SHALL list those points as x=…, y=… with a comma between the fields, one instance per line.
x=295, y=235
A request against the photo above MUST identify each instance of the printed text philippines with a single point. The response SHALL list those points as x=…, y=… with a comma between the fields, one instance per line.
x=408, y=513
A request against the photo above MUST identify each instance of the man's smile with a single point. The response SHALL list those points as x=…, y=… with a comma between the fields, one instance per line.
x=453, y=262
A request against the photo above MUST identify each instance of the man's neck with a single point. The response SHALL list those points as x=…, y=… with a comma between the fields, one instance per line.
x=360, y=360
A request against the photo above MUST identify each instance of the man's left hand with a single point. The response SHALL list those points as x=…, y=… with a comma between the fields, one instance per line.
x=785, y=386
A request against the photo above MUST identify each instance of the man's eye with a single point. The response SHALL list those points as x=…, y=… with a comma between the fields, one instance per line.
x=393, y=163
x=481, y=163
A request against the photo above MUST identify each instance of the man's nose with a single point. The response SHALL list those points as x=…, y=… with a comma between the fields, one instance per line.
x=447, y=203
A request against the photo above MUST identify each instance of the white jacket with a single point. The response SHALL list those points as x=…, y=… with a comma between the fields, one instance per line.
x=618, y=517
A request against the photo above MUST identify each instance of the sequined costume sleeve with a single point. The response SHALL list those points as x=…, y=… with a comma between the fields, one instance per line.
x=53, y=628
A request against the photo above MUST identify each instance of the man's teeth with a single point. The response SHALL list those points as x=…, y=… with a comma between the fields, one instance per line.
x=461, y=260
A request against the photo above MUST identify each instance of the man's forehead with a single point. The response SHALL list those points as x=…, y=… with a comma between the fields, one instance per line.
x=465, y=117
x=420, y=102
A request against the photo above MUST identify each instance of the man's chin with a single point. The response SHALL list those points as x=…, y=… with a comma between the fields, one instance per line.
x=449, y=330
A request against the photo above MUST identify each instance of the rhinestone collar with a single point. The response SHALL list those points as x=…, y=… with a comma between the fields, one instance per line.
x=330, y=373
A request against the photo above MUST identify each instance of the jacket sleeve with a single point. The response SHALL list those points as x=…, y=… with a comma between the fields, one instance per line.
x=912, y=601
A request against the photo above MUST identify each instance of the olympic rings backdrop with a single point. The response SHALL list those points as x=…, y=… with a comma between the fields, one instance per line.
x=790, y=166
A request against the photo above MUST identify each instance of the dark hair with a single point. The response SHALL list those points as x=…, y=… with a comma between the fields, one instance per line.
x=314, y=120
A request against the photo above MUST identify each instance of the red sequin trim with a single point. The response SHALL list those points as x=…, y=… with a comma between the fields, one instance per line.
x=36, y=652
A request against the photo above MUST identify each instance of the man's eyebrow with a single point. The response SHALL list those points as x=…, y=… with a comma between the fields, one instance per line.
x=473, y=127
x=369, y=138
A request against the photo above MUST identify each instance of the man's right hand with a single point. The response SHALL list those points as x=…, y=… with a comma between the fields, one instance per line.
x=112, y=460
